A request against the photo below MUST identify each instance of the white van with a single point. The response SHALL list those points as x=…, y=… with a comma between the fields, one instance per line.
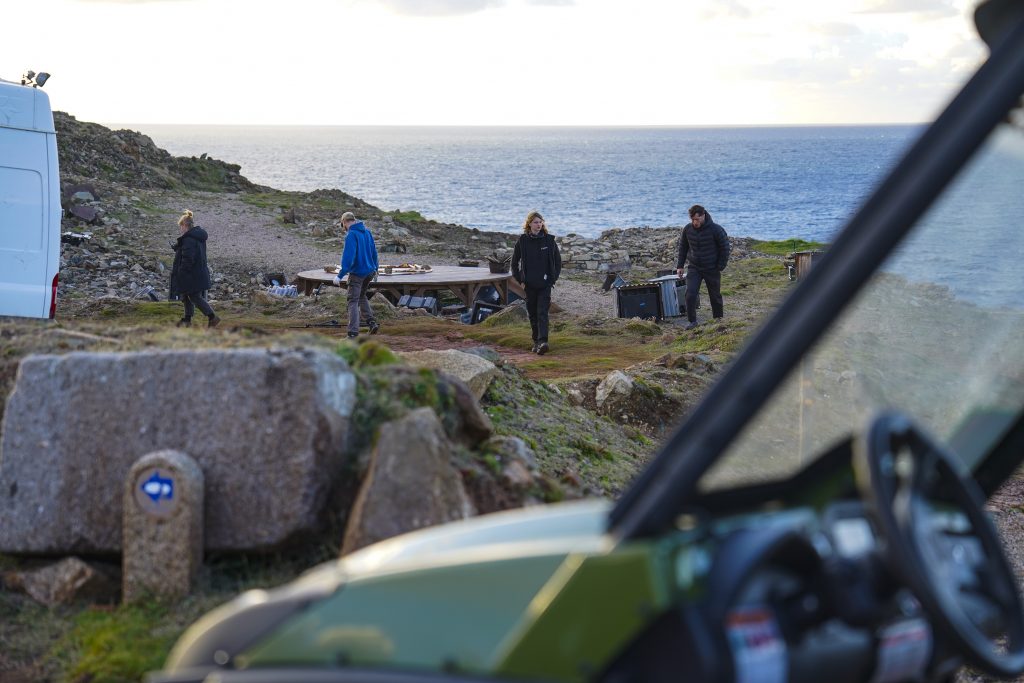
x=30, y=210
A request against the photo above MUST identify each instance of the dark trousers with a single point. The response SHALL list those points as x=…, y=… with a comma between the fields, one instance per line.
x=192, y=302
x=538, y=300
x=358, y=302
x=713, y=280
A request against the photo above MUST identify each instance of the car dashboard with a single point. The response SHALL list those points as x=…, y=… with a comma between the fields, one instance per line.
x=888, y=581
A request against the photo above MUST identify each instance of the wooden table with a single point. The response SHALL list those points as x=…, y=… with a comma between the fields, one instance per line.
x=464, y=282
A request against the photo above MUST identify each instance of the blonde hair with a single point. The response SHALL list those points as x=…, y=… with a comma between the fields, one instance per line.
x=529, y=219
x=186, y=219
x=348, y=216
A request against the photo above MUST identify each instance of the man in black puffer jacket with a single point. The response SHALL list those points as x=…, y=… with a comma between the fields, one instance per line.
x=706, y=245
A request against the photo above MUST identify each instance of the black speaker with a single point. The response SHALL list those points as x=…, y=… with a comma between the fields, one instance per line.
x=639, y=301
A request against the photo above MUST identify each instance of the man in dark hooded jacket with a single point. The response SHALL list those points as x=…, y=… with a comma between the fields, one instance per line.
x=705, y=245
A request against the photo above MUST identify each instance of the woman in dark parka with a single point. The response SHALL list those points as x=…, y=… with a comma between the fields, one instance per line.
x=190, y=275
x=536, y=264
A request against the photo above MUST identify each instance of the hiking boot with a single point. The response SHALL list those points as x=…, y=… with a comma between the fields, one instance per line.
x=374, y=327
x=213, y=321
x=353, y=335
x=184, y=322
x=690, y=326
x=534, y=349
x=542, y=348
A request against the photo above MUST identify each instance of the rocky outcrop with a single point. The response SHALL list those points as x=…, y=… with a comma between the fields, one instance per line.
x=476, y=372
x=267, y=427
x=410, y=483
x=620, y=249
x=649, y=397
x=92, y=151
x=64, y=582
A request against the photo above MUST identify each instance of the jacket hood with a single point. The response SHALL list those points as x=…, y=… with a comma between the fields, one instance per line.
x=196, y=233
x=708, y=220
x=358, y=225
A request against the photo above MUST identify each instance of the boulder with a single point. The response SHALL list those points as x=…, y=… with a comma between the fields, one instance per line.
x=513, y=314
x=268, y=429
x=475, y=371
x=410, y=483
x=615, y=384
x=64, y=582
x=474, y=424
x=641, y=402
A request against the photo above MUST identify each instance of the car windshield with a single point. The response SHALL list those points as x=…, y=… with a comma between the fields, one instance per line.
x=937, y=333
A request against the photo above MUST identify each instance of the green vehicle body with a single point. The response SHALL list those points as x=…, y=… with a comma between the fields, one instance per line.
x=520, y=594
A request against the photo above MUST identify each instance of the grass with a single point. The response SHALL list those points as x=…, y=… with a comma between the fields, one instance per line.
x=785, y=247
x=570, y=442
x=110, y=646
x=277, y=199
x=406, y=216
x=104, y=644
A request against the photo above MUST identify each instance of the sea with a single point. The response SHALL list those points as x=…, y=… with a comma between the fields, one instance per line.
x=762, y=182
x=770, y=183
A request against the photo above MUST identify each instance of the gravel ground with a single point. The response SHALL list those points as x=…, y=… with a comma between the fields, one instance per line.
x=250, y=238
x=245, y=235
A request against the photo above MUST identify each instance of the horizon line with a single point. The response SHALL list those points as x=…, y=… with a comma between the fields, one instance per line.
x=526, y=125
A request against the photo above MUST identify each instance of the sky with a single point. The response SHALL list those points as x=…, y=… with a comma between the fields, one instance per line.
x=495, y=62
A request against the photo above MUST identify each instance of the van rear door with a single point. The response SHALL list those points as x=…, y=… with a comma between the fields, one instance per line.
x=29, y=203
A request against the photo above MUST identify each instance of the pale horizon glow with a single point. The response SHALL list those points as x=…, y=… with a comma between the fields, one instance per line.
x=496, y=62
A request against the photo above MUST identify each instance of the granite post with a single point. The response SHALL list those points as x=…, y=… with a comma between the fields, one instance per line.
x=162, y=526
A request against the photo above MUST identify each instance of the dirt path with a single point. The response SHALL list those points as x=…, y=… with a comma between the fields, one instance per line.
x=250, y=238
x=243, y=235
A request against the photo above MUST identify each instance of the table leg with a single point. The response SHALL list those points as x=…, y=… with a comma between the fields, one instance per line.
x=515, y=287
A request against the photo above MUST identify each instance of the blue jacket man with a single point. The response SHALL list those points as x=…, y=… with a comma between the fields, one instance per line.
x=360, y=253
x=359, y=262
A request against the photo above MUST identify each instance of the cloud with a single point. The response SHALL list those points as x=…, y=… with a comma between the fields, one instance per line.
x=837, y=29
x=128, y=2
x=730, y=9
x=934, y=8
x=842, y=74
x=450, y=8
x=439, y=8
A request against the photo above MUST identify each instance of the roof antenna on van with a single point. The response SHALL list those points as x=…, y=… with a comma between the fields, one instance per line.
x=36, y=80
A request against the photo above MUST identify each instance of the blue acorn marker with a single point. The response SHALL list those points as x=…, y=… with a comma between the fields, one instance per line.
x=158, y=488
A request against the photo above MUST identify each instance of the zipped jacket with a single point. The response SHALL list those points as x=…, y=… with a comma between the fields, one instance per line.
x=706, y=248
x=536, y=261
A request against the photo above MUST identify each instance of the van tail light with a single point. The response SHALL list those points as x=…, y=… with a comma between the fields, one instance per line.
x=53, y=296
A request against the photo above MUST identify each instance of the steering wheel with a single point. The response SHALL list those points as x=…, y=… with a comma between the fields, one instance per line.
x=941, y=543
